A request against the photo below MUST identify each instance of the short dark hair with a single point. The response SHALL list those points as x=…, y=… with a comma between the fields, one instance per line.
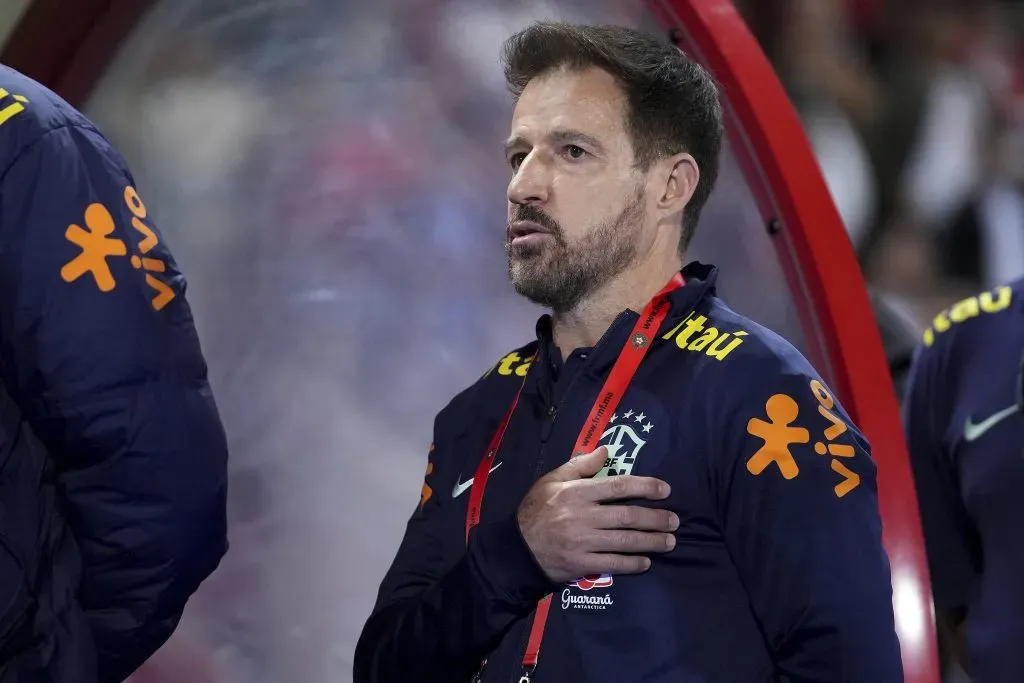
x=672, y=102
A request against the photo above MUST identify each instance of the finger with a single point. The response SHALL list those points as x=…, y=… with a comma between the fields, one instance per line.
x=628, y=541
x=607, y=563
x=632, y=517
x=622, y=487
x=581, y=466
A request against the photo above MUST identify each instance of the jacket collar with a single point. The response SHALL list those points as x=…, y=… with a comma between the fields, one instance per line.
x=699, y=284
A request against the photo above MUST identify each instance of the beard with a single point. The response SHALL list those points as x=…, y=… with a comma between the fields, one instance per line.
x=558, y=275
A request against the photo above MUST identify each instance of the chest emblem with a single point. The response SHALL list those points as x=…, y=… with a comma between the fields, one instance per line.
x=624, y=438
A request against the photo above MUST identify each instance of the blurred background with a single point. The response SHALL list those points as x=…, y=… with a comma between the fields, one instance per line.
x=329, y=175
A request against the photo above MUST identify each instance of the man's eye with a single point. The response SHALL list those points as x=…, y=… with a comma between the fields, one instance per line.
x=516, y=159
x=575, y=152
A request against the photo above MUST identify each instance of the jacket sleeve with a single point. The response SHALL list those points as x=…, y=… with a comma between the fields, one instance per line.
x=797, y=499
x=444, y=604
x=98, y=348
x=951, y=538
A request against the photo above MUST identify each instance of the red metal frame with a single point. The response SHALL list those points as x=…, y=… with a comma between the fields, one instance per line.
x=67, y=45
x=826, y=281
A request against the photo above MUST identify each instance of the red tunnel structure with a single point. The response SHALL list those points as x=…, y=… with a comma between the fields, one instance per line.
x=822, y=272
x=68, y=46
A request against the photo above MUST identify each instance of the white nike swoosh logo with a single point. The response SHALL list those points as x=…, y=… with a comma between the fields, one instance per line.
x=972, y=431
x=461, y=488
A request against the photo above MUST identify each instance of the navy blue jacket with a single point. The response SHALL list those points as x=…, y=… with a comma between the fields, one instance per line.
x=964, y=415
x=112, y=456
x=778, y=572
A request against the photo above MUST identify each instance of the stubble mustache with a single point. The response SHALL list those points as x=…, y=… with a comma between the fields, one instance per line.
x=533, y=214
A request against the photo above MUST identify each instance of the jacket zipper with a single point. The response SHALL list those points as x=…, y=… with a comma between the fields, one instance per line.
x=552, y=416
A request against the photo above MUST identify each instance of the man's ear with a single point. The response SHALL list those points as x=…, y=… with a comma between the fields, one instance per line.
x=679, y=176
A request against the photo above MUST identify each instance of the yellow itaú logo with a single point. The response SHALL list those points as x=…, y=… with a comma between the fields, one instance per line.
x=970, y=307
x=693, y=335
x=8, y=108
x=512, y=364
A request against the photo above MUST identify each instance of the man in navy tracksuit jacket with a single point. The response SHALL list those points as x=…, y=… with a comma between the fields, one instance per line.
x=113, y=461
x=964, y=416
x=718, y=519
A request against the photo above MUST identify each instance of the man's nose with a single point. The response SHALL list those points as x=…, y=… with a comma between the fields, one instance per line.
x=531, y=183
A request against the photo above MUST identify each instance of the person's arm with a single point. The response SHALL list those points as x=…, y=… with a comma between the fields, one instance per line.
x=441, y=608
x=103, y=359
x=951, y=540
x=802, y=524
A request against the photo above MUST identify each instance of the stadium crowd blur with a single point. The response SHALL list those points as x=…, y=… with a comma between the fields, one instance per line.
x=330, y=176
x=916, y=111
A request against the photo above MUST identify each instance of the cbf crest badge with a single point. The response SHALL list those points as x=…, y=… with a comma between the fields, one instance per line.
x=624, y=438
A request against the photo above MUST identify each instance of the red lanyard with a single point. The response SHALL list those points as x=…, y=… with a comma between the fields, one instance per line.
x=633, y=351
